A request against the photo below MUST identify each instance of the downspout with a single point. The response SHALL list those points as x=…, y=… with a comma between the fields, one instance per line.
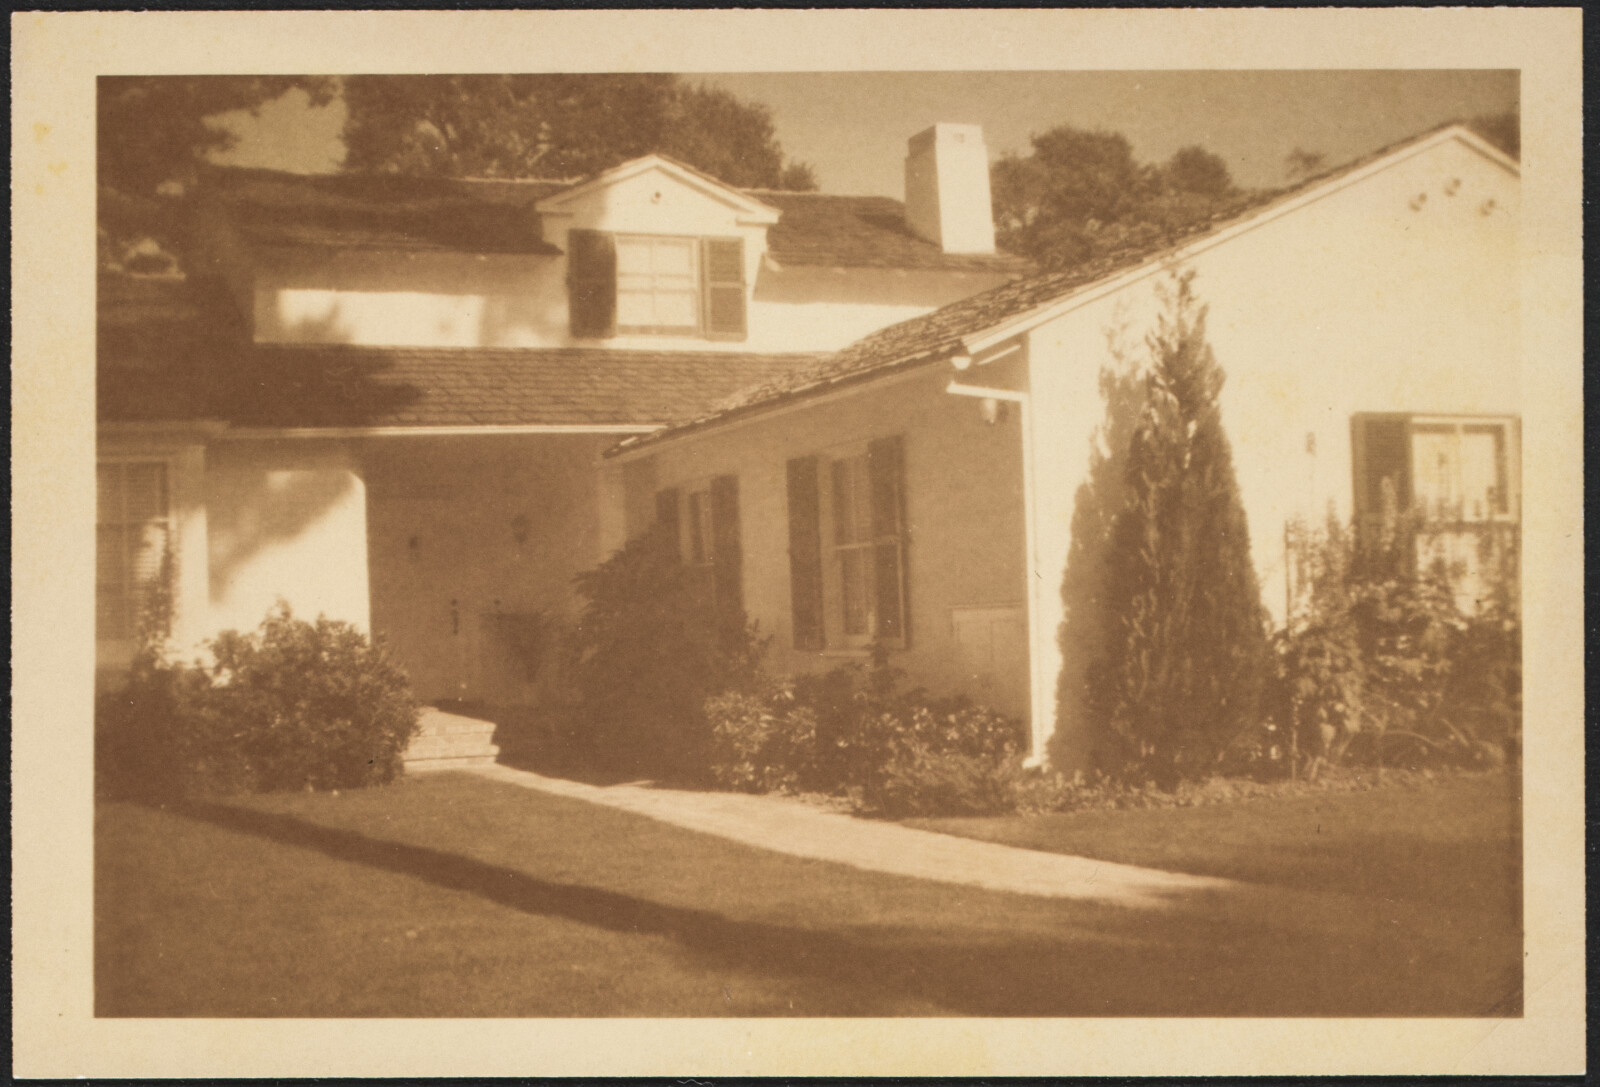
x=1041, y=697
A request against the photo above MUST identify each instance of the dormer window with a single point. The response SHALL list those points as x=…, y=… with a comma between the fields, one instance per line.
x=650, y=284
x=657, y=288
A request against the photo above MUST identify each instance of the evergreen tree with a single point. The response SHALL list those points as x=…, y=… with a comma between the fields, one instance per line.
x=1185, y=639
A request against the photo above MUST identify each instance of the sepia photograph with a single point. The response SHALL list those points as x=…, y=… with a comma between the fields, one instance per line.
x=1016, y=543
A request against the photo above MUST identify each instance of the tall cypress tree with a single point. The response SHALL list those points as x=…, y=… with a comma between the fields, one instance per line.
x=1185, y=639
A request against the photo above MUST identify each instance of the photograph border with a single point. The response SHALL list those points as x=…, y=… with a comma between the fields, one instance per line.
x=56, y=57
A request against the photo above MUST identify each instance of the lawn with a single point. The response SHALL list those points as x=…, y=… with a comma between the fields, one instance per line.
x=450, y=895
x=1456, y=842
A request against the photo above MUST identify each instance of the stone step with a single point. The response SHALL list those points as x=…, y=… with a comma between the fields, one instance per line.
x=456, y=763
x=477, y=728
x=434, y=747
x=438, y=723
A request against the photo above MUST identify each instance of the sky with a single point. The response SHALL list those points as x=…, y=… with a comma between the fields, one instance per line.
x=852, y=126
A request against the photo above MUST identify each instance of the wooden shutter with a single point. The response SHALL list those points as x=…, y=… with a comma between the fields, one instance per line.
x=667, y=518
x=726, y=555
x=886, y=470
x=722, y=262
x=1383, y=446
x=805, y=553
x=592, y=283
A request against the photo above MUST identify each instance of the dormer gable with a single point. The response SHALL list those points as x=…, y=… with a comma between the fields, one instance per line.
x=657, y=248
x=657, y=191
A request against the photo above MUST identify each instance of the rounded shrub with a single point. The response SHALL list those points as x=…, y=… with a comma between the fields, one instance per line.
x=292, y=705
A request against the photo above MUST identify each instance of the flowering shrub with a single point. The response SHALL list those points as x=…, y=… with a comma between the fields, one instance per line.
x=1388, y=667
x=851, y=732
x=761, y=741
x=291, y=705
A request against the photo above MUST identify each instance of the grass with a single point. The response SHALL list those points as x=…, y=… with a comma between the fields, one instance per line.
x=1451, y=843
x=449, y=895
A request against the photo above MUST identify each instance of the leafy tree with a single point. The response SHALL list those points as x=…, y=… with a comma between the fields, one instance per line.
x=152, y=130
x=152, y=133
x=1185, y=630
x=1195, y=170
x=559, y=125
x=1080, y=194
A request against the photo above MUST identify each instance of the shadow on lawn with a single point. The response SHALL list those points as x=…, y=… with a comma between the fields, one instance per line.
x=1099, y=961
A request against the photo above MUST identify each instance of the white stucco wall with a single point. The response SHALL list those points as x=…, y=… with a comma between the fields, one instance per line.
x=965, y=584
x=465, y=528
x=1396, y=292
x=285, y=519
x=435, y=299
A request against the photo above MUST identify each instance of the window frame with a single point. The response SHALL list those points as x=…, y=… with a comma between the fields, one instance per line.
x=1509, y=426
x=694, y=508
x=837, y=637
x=127, y=640
x=697, y=534
x=694, y=244
x=718, y=286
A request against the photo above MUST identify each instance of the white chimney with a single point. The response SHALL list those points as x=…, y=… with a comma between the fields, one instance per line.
x=947, y=188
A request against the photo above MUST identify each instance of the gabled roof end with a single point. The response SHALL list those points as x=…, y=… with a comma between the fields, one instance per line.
x=756, y=210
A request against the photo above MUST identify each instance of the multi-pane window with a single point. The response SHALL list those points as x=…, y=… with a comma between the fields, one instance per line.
x=642, y=284
x=133, y=539
x=1442, y=495
x=702, y=538
x=657, y=284
x=1435, y=470
x=702, y=524
x=854, y=543
x=1458, y=471
x=852, y=592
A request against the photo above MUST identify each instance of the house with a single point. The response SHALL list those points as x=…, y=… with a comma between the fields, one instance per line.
x=446, y=398
x=384, y=398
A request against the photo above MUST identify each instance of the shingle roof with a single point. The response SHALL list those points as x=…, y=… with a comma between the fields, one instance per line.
x=390, y=211
x=938, y=335
x=863, y=232
x=384, y=211
x=292, y=386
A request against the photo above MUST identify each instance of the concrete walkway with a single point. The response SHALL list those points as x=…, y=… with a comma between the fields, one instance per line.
x=790, y=826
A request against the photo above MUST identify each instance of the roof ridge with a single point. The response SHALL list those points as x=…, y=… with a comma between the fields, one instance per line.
x=229, y=168
x=1035, y=292
x=819, y=193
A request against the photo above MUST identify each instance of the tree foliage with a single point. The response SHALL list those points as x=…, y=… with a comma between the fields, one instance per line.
x=645, y=655
x=559, y=125
x=153, y=133
x=1081, y=193
x=1185, y=630
x=157, y=129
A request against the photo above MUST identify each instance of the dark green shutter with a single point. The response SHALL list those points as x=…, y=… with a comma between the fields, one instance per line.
x=805, y=553
x=667, y=517
x=886, y=469
x=723, y=263
x=1386, y=455
x=592, y=283
x=727, y=556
